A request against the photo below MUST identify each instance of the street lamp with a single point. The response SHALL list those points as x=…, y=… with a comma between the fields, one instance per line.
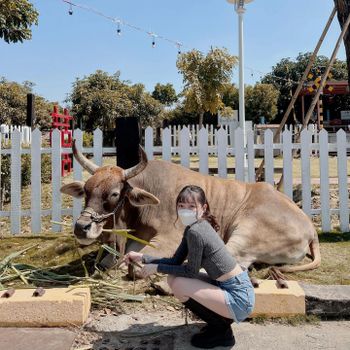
x=239, y=8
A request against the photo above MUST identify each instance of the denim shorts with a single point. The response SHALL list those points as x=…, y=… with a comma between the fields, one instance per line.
x=239, y=295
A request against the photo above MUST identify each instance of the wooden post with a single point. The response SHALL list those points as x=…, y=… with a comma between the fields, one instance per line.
x=302, y=108
x=30, y=120
x=300, y=86
x=326, y=73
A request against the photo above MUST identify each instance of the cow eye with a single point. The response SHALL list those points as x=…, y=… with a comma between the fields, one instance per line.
x=114, y=195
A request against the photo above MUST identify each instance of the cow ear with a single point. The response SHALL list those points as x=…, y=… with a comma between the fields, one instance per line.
x=139, y=197
x=74, y=189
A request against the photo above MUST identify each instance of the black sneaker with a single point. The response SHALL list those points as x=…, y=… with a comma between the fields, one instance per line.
x=212, y=337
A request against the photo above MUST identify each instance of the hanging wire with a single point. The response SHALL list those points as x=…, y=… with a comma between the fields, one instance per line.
x=112, y=19
x=178, y=44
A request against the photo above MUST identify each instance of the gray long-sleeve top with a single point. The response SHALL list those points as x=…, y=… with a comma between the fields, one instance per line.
x=203, y=248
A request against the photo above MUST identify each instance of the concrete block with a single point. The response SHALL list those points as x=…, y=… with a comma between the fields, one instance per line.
x=271, y=301
x=56, y=308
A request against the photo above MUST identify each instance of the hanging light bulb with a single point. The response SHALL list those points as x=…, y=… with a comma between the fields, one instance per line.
x=178, y=48
x=70, y=11
x=119, y=31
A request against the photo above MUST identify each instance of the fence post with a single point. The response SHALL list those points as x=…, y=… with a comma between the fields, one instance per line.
x=203, y=150
x=342, y=181
x=166, y=144
x=16, y=182
x=222, y=152
x=287, y=163
x=56, y=179
x=185, y=147
x=239, y=154
x=36, y=181
x=268, y=155
x=149, y=142
x=250, y=155
x=77, y=174
x=305, y=171
x=98, y=147
x=324, y=180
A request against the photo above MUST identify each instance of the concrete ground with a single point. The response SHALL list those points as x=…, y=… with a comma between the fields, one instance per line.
x=158, y=331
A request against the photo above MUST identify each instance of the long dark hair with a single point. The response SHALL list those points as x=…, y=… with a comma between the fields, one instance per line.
x=198, y=196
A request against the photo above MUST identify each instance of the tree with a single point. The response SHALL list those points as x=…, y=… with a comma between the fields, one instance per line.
x=261, y=101
x=205, y=78
x=343, y=8
x=98, y=99
x=165, y=94
x=13, y=104
x=287, y=73
x=230, y=96
x=16, y=18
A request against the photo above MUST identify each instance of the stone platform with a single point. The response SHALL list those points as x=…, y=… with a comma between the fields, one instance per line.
x=327, y=301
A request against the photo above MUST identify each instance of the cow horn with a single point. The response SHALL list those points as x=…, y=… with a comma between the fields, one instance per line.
x=83, y=161
x=135, y=170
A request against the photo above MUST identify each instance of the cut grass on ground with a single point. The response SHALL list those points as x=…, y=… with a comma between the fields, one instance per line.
x=57, y=249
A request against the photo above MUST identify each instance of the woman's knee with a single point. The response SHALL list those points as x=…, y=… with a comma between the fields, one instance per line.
x=178, y=286
x=170, y=280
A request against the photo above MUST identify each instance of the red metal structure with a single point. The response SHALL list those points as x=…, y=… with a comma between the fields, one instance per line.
x=63, y=123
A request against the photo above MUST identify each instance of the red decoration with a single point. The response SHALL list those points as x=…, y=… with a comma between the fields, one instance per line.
x=63, y=123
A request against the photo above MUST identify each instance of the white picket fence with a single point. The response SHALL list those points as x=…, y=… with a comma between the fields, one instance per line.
x=7, y=130
x=203, y=149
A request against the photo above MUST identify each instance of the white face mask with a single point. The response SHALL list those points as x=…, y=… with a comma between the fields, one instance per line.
x=188, y=217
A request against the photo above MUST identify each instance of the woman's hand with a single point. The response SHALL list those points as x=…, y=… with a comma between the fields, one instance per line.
x=132, y=257
x=148, y=270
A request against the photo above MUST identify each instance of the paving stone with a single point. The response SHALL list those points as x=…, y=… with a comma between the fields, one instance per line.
x=36, y=338
x=327, y=301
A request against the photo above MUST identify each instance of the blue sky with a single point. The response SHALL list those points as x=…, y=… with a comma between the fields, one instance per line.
x=65, y=47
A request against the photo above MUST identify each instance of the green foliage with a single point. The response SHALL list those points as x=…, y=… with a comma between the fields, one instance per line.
x=88, y=138
x=261, y=100
x=13, y=104
x=16, y=18
x=165, y=94
x=205, y=79
x=286, y=73
x=230, y=96
x=98, y=99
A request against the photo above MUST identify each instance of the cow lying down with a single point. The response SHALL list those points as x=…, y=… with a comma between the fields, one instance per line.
x=258, y=223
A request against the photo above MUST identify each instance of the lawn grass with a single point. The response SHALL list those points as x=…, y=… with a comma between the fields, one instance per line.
x=335, y=265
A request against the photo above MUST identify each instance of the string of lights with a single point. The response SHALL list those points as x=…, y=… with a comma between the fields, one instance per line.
x=120, y=22
x=179, y=45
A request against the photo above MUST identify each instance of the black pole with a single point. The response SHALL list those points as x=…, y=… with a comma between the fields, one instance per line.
x=127, y=141
x=30, y=121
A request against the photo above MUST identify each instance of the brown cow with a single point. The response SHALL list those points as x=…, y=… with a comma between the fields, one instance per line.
x=258, y=223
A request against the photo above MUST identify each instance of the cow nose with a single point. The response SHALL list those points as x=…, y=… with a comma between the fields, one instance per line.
x=82, y=227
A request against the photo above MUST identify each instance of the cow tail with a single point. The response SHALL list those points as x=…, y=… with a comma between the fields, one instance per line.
x=316, y=258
